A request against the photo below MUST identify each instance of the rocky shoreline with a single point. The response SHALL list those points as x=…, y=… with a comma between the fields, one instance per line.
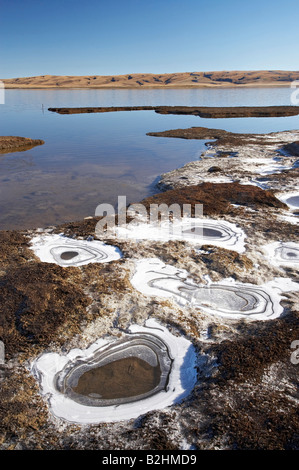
x=246, y=393
x=267, y=160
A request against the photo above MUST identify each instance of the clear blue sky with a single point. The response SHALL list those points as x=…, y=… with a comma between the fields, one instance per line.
x=71, y=37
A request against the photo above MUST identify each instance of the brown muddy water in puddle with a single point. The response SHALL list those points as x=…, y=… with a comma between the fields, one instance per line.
x=127, y=377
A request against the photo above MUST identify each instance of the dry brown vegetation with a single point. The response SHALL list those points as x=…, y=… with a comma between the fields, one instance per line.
x=169, y=80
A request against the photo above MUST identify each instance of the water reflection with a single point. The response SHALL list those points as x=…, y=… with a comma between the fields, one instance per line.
x=126, y=371
x=124, y=378
x=115, y=379
x=88, y=160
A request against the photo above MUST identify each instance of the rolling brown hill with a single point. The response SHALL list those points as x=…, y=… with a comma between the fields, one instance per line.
x=169, y=80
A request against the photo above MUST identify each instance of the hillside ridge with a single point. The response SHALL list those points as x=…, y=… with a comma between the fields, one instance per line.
x=167, y=80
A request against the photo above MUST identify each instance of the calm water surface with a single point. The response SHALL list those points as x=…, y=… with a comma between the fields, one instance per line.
x=90, y=159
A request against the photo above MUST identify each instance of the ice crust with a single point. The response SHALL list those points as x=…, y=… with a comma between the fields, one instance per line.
x=50, y=247
x=226, y=298
x=230, y=235
x=285, y=254
x=182, y=378
x=288, y=198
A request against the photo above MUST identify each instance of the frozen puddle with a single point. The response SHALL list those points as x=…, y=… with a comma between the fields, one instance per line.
x=194, y=230
x=66, y=251
x=227, y=298
x=291, y=199
x=283, y=254
x=115, y=380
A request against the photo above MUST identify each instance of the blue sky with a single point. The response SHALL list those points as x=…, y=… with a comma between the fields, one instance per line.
x=70, y=37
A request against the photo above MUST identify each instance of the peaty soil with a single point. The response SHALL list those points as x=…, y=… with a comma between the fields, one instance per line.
x=217, y=198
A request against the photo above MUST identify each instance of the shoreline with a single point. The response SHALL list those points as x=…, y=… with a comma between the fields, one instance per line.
x=48, y=308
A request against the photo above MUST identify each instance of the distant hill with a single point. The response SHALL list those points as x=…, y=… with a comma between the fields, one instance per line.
x=167, y=80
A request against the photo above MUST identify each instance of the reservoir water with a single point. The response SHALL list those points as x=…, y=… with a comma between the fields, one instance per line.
x=90, y=159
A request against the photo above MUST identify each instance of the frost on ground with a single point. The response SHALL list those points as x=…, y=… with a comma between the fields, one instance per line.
x=283, y=254
x=226, y=298
x=245, y=392
x=53, y=248
x=259, y=159
x=198, y=231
